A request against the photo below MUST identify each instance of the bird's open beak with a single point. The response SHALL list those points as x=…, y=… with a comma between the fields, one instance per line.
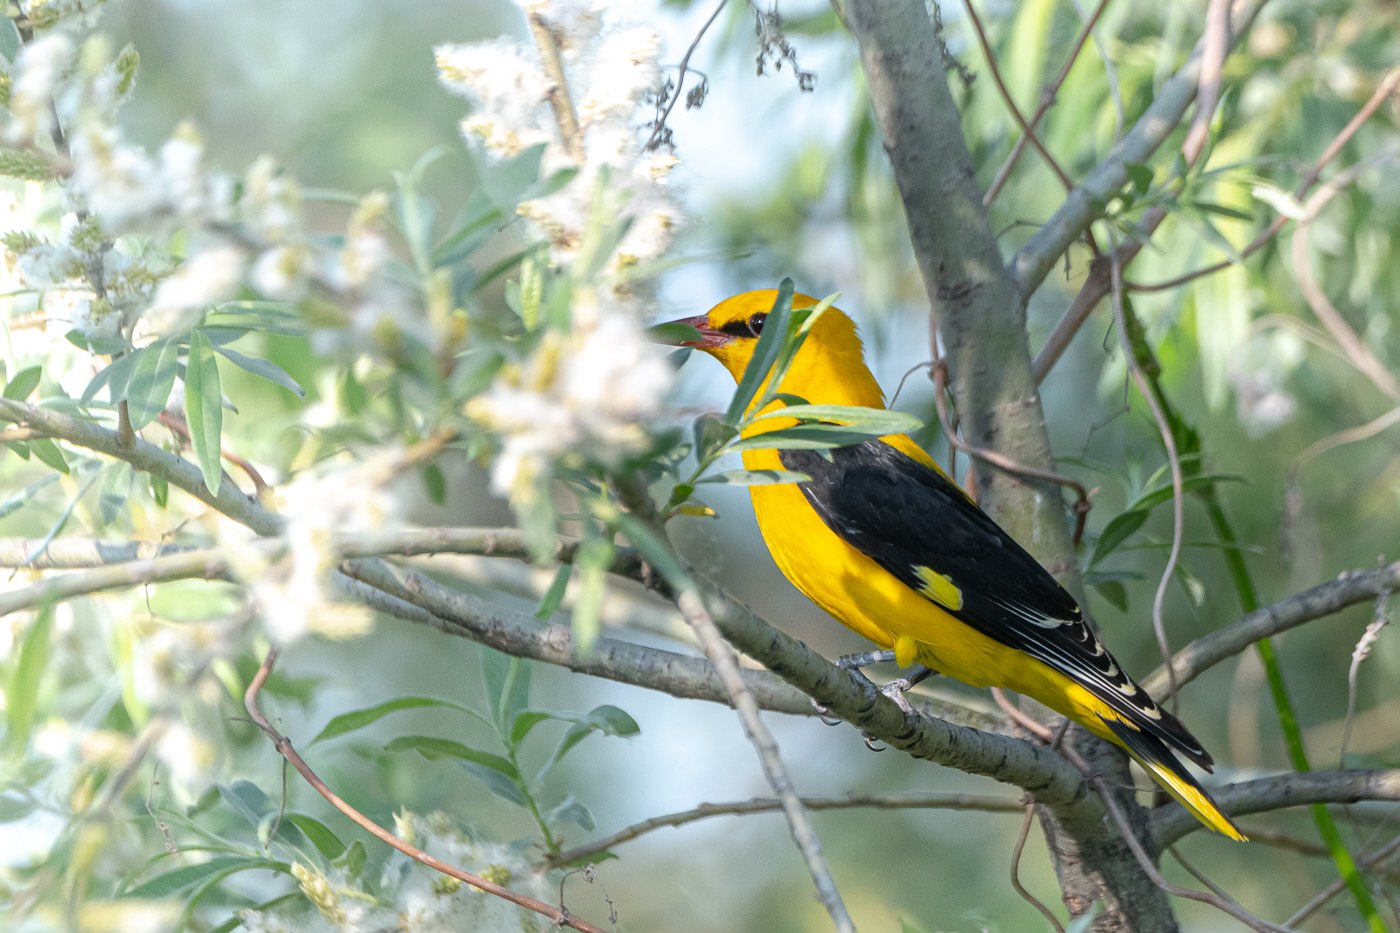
x=689, y=332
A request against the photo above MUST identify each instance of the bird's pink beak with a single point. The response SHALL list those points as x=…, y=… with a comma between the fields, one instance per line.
x=675, y=333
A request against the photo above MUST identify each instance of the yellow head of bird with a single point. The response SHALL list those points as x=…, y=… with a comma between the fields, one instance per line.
x=832, y=351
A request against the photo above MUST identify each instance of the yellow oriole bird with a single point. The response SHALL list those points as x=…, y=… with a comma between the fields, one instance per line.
x=890, y=545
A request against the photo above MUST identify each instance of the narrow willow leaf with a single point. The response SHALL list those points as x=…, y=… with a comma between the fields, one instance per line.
x=263, y=368
x=757, y=477
x=877, y=421
x=152, y=381
x=25, y=382
x=204, y=409
x=803, y=437
x=358, y=719
x=765, y=353
x=27, y=676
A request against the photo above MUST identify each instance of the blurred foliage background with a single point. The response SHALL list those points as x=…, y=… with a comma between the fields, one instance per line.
x=779, y=182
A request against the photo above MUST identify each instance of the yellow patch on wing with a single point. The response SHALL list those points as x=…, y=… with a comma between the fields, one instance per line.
x=940, y=589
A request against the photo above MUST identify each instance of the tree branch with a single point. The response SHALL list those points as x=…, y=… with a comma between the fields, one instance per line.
x=146, y=457
x=559, y=915
x=771, y=804
x=1040, y=772
x=1276, y=793
x=1322, y=600
x=1084, y=204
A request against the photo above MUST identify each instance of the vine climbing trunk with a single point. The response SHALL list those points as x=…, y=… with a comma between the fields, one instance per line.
x=980, y=315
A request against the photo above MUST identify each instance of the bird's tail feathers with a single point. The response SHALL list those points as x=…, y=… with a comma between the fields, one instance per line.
x=1167, y=770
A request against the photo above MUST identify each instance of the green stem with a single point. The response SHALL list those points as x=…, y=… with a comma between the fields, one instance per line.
x=1189, y=445
x=1288, y=716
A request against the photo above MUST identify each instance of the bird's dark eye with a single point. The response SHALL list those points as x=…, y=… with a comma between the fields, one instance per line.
x=756, y=323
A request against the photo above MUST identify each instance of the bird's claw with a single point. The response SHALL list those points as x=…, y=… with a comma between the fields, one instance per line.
x=870, y=744
x=823, y=715
x=895, y=690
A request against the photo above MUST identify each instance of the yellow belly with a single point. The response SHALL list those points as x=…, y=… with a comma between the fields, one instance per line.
x=875, y=604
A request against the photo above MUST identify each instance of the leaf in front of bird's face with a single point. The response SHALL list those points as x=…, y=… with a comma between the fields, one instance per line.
x=765, y=353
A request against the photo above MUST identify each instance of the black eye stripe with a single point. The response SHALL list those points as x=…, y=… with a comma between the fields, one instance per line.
x=745, y=328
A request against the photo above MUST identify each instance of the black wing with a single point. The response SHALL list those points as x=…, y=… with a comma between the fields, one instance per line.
x=919, y=526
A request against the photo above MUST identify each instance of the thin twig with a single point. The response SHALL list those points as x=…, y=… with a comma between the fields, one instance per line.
x=770, y=804
x=1360, y=355
x=1384, y=90
x=1364, y=863
x=559, y=99
x=1048, y=96
x=558, y=915
x=1224, y=903
x=1325, y=599
x=1027, y=130
x=1361, y=432
x=1215, y=45
x=997, y=459
x=658, y=130
x=1016, y=884
x=1168, y=436
x=721, y=655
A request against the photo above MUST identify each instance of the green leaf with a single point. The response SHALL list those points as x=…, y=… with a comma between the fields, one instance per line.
x=1220, y=210
x=27, y=676
x=1152, y=499
x=178, y=879
x=25, y=382
x=757, y=477
x=264, y=369
x=711, y=433
x=259, y=810
x=325, y=841
x=49, y=453
x=803, y=437
x=765, y=354
x=358, y=719
x=204, y=409
x=506, y=681
x=434, y=483
x=1114, y=592
x=114, y=376
x=152, y=381
x=434, y=748
x=605, y=720
x=656, y=552
x=572, y=811
x=875, y=421
x=673, y=334
x=9, y=38
x=1116, y=532
x=498, y=773
x=481, y=218
x=526, y=721
x=554, y=596
x=592, y=561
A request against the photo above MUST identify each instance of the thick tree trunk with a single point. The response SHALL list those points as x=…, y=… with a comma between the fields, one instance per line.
x=982, y=320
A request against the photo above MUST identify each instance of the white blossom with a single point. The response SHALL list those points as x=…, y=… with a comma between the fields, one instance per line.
x=503, y=78
x=585, y=396
x=280, y=273
x=210, y=276
x=37, y=70
x=294, y=597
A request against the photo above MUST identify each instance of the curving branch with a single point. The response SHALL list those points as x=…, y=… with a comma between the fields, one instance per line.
x=1322, y=600
x=1297, y=789
x=706, y=811
x=1033, y=262
x=1038, y=771
x=146, y=457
